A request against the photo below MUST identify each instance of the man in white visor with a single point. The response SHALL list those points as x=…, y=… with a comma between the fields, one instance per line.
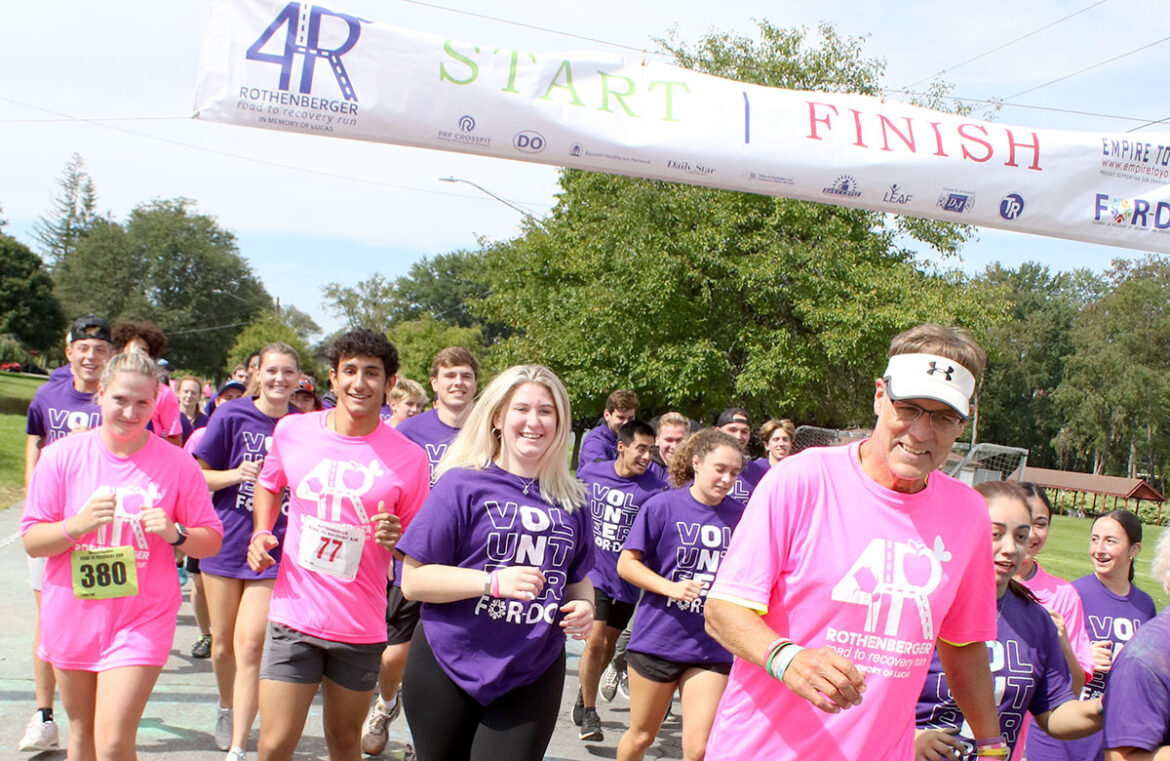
x=850, y=566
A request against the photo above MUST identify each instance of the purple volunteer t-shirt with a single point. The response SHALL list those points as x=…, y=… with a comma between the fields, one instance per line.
x=680, y=538
x=1108, y=616
x=430, y=433
x=660, y=471
x=434, y=436
x=64, y=372
x=754, y=471
x=57, y=409
x=1137, y=703
x=1028, y=668
x=482, y=519
x=386, y=413
x=614, y=501
x=599, y=443
x=237, y=433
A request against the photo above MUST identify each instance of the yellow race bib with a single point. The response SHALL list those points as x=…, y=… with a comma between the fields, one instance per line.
x=105, y=573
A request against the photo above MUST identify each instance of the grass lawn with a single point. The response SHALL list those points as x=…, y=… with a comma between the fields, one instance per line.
x=12, y=438
x=17, y=386
x=1067, y=554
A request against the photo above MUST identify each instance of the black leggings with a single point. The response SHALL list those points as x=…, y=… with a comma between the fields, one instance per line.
x=447, y=724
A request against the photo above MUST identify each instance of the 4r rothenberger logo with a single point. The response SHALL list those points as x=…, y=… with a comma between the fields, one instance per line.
x=307, y=28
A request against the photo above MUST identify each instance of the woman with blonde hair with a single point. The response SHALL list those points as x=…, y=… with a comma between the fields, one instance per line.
x=499, y=556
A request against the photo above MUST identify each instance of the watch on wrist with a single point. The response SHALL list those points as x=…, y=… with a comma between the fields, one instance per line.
x=182, y=532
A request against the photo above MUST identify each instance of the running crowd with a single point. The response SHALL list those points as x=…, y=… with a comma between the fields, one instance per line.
x=842, y=603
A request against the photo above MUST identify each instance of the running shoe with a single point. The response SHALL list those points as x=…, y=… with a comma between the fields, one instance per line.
x=623, y=687
x=579, y=709
x=591, y=726
x=236, y=754
x=609, y=682
x=40, y=735
x=376, y=728
x=182, y=574
x=223, y=728
x=202, y=647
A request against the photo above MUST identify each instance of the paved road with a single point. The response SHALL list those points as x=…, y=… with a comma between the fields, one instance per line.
x=180, y=716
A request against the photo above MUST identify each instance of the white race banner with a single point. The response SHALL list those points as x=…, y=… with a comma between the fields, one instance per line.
x=316, y=70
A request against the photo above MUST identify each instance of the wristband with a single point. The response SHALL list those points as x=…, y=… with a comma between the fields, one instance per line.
x=495, y=579
x=780, y=659
x=992, y=747
x=770, y=653
x=66, y=532
x=487, y=584
x=261, y=532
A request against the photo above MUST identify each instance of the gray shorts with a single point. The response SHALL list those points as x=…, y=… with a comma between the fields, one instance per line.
x=299, y=658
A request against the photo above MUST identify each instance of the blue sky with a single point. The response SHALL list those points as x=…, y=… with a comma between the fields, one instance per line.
x=118, y=86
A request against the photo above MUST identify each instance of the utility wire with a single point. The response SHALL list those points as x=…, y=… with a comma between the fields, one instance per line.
x=528, y=26
x=1089, y=68
x=997, y=48
x=97, y=122
x=997, y=102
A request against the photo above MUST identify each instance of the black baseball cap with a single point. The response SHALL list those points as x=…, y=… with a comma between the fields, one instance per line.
x=90, y=326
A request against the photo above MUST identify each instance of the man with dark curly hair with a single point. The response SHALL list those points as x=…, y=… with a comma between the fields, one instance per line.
x=353, y=485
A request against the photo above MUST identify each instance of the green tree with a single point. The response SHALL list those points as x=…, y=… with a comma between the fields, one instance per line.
x=28, y=309
x=74, y=212
x=418, y=341
x=1116, y=392
x=171, y=265
x=368, y=304
x=305, y=326
x=699, y=298
x=269, y=327
x=1026, y=355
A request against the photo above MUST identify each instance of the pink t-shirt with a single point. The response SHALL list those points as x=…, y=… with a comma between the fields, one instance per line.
x=829, y=557
x=165, y=420
x=334, y=587
x=137, y=630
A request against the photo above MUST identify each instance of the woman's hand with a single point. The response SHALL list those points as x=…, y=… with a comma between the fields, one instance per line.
x=156, y=521
x=937, y=745
x=687, y=590
x=520, y=582
x=578, y=618
x=249, y=470
x=1102, y=656
x=98, y=511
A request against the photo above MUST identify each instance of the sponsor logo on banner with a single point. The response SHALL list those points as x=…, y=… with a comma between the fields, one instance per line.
x=1135, y=159
x=301, y=25
x=579, y=151
x=897, y=196
x=1133, y=212
x=844, y=186
x=773, y=178
x=689, y=168
x=462, y=134
x=1011, y=206
x=959, y=202
x=528, y=141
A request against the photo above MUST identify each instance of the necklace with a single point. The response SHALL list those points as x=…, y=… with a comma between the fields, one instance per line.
x=525, y=486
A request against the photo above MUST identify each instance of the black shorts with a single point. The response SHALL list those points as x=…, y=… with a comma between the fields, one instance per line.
x=663, y=671
x=192, y=564
x=613, y=612
x=299, y=658
x=401, y=616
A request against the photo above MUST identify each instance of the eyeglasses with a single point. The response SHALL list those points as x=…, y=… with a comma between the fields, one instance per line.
x=940, y=420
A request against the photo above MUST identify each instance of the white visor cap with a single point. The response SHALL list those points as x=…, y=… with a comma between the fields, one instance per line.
x=929, y=376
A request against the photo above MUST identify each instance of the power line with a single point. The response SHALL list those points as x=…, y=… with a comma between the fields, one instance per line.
x=997, y=102
x=997, y=48
x=528, y=26
x=94, y=119
x=1089, y=68
x=98, y=122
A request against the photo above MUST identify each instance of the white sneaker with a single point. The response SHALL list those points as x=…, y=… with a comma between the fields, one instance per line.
x=376, y=728
x=236, y=754
x=223, y=728
x=609, y=682
x=40, y=735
